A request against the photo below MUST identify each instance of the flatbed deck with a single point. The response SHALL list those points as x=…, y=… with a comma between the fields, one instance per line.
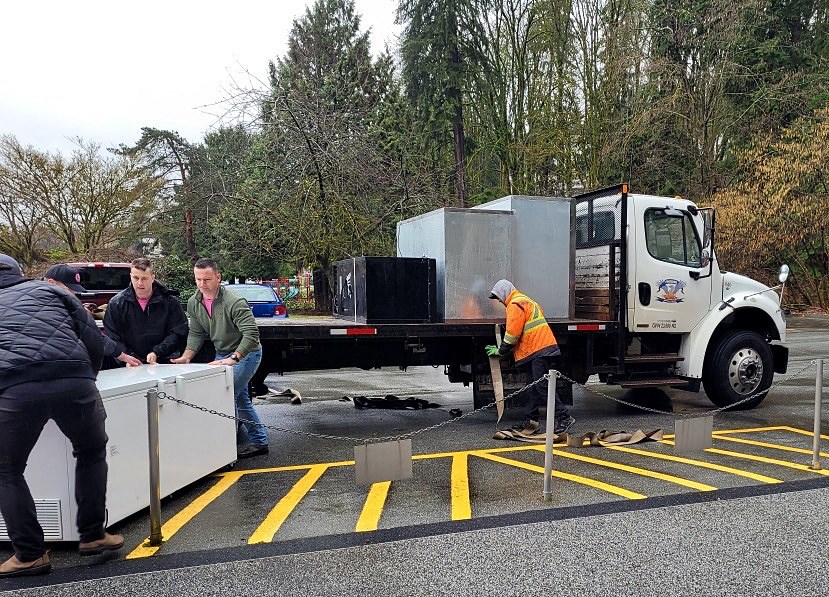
x=315, y=326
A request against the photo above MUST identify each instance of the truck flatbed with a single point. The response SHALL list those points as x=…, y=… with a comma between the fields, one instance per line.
x=306, y=326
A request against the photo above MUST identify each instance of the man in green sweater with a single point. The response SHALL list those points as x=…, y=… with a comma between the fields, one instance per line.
x=226, y=319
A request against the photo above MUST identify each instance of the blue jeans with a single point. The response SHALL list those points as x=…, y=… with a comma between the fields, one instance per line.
x=242, y=373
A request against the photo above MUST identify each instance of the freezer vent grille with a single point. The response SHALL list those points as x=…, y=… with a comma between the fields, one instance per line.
x=48, y=515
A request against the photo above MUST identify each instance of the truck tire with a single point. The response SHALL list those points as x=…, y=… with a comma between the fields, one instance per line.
x=740, y=365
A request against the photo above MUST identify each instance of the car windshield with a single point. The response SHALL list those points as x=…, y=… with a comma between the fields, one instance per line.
x=259, y=294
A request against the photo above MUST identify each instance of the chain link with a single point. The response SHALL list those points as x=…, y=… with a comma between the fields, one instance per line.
x=687, y=415
x=164, y=396
x=388, y=438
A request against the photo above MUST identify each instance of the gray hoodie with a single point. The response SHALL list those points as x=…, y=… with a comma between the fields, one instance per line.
x=501, y=290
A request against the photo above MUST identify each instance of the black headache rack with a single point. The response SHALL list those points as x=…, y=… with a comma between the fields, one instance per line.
x=602, y=293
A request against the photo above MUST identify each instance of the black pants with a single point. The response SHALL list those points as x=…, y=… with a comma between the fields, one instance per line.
x=536, y=369
x=81, y=419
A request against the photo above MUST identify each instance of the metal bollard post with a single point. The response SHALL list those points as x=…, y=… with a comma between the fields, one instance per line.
x=548, y=442
x=815, y=466
x=155, y=469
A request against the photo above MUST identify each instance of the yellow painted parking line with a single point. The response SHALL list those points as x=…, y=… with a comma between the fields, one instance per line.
x=637, y=471
x=280, y=512
x=763, y=459
x=373, y=508
x=614, y=489
x=782, y=447
x=752, y=429
x=804, y=432
x=699, y=463
x=293, y=467
x=461, y=508
x=172, y=526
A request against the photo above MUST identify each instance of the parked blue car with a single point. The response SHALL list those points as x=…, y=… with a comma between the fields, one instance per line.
x=263, y=300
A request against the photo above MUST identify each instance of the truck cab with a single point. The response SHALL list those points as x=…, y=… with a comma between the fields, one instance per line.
x=681, y=317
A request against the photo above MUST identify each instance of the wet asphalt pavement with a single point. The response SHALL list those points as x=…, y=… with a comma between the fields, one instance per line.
x=745, y=516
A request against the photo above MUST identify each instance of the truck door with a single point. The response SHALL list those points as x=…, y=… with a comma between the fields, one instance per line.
x=670, y=292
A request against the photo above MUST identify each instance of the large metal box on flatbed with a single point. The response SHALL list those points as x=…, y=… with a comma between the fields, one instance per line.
x=542, y=249
x=386, y=290
x=471, y=251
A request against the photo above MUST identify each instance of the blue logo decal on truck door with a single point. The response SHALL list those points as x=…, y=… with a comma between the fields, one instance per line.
x=670, y=290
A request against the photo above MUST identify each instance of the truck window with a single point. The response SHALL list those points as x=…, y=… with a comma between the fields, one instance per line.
x=104, y=278
x=672, y=239
x=604, y=228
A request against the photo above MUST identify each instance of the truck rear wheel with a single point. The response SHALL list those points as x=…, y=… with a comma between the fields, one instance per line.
x=741, y=365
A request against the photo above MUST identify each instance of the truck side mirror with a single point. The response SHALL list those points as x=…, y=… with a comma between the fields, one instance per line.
x=784, y=273
x=704, y=258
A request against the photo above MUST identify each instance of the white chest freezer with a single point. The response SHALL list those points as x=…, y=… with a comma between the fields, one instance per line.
x=192, y=443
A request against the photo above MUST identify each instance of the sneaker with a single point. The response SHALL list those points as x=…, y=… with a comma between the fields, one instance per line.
x=251, y=451
x=107, y=543
x=527, y=427
x=14, y=567
x=563, y=424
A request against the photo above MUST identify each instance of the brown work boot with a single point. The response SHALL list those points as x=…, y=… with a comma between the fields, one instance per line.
x=107, y=543
x=14, y=567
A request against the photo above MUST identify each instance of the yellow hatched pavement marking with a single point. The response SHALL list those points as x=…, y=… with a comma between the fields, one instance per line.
x=172, y=526
x=373, y=508
x=637, y=471
x=461, y=508
x=782, y=447
x=283, y=509
x=804, y=432
x=699, y=463
x=763, y=459
x=614, y=489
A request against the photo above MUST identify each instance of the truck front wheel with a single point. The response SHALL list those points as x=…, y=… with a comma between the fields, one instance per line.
x=739, y=366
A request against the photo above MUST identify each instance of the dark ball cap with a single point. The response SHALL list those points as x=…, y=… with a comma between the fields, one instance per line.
x=9, y=264
x=67, y=275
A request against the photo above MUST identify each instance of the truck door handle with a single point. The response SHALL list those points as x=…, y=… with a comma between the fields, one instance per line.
x=644, y=293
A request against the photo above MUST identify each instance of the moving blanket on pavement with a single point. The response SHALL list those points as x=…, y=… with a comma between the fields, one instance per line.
x=602, y=438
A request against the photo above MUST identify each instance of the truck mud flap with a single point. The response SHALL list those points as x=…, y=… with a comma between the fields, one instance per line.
x=780, y=354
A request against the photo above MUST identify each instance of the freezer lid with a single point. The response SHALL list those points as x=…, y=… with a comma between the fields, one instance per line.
x=125, y=380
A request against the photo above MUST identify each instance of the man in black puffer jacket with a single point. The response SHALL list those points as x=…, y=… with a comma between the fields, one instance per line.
x=50, y=354
x=146, y=320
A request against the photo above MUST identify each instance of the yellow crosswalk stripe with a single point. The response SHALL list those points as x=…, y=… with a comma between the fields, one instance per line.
x=782, y=447
x=699, y=463
x=637, y=471
x=373, y=508
x=461, y=508
x=172, y=526
x=280, y=512
x=763, y=459
x=614, y=489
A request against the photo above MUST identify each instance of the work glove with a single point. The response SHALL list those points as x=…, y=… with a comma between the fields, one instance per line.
x=491, y=350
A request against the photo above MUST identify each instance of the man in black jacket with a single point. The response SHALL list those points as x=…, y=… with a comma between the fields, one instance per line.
x=146, y=320
x=50, y=354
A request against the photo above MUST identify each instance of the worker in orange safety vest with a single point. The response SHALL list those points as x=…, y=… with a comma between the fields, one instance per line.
x=533, y=345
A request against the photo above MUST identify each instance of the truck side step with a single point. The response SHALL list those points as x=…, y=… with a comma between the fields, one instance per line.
x=654, y=382
x=651, y=358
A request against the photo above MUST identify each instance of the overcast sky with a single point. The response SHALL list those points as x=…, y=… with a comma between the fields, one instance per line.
x=103, y=69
